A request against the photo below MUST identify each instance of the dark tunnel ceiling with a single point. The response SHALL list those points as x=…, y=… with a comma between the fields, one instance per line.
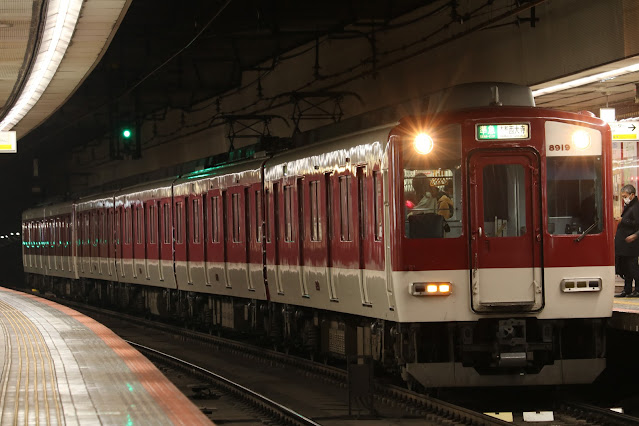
x=243, y=35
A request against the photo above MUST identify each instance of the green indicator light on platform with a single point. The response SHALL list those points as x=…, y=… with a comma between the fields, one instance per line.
x=126, y=133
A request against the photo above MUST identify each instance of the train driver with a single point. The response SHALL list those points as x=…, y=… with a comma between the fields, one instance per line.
x=431, y=199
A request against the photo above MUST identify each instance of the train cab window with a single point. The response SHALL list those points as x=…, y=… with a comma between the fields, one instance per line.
x=504, y=198
x=432, y=200
x=574, y=194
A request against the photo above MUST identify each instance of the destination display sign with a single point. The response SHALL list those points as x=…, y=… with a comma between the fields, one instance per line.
x=486, y=132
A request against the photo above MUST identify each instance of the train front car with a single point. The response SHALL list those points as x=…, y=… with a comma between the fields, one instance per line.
x=502, y=245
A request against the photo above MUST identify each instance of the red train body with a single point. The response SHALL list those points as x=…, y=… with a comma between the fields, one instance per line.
x=338, y=249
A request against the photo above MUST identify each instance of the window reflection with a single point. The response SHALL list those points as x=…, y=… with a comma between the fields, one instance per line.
x=504, y=196
x=574, y=193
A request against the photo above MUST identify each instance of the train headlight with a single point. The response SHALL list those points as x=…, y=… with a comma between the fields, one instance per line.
x=581, y=139
x=423, y=143
x=430, y=289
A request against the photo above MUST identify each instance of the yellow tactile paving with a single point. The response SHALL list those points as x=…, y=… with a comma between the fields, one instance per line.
x=60, y=367
x=29, y=389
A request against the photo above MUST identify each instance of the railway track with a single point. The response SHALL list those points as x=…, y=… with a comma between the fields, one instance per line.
x=416, y=404
x=275, y=411
x=412, y=403
x=595, y=415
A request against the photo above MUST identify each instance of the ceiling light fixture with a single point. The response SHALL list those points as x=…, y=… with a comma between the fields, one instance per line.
x=586, y=80
x=60, y=24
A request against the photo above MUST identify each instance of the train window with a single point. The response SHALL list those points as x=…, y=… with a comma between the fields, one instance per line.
x=574, y=194
x=431, y=203
x=128, y=225
x=139, y=231
x=153, y=224
x=215, y=229
x=87, y=235
x=288, y=213
x=196, y=220
x=109, y=235
x=103, y=227
x=361, y=201
x=378, y=212
x=300, y=209
x=117, y=226
x=258, y=216
x=346, y=207
x=166, y=218
x=316, y=224
x=78, y=227
x=247, y=215
x=267, y=214
x=95, y=228
x=206, y=219
x=179, y=230
x=504, y=200
x=235, y=207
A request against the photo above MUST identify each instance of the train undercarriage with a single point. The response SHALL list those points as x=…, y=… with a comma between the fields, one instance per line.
x=487, y=352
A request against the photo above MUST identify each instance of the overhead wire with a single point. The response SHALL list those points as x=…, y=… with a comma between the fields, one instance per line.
x=271, y=101
x=471, y=15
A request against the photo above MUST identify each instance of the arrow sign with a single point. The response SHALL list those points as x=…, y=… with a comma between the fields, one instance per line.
x=625, y=130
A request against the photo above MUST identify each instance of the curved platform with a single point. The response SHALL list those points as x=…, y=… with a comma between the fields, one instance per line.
x=61, y=367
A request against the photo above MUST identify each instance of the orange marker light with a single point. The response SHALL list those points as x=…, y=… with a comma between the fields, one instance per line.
x=444, y=288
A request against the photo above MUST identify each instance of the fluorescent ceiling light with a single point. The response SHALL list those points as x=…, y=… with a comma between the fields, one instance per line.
x=60, y=24
x=587, y=80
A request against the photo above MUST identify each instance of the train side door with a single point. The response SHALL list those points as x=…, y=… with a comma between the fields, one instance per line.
x=505, y=231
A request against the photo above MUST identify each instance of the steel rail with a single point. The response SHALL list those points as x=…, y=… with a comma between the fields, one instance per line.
x=272, y=408
x=599, y=415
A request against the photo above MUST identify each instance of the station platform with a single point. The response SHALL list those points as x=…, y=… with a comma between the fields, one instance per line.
x=61, y=367
x=625, y=314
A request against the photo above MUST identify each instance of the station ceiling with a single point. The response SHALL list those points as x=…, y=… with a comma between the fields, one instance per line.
x=176, y=54
x=615, y=91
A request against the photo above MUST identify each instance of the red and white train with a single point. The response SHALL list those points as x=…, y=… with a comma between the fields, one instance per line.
x=342, y=247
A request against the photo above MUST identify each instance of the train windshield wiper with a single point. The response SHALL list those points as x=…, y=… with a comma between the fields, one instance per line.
x=590, y=228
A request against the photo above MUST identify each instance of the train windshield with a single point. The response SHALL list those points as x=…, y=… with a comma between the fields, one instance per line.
x=432, y=185
x=574, y=194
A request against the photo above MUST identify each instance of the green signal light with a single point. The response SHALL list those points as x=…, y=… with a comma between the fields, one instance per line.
x=126, y=133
